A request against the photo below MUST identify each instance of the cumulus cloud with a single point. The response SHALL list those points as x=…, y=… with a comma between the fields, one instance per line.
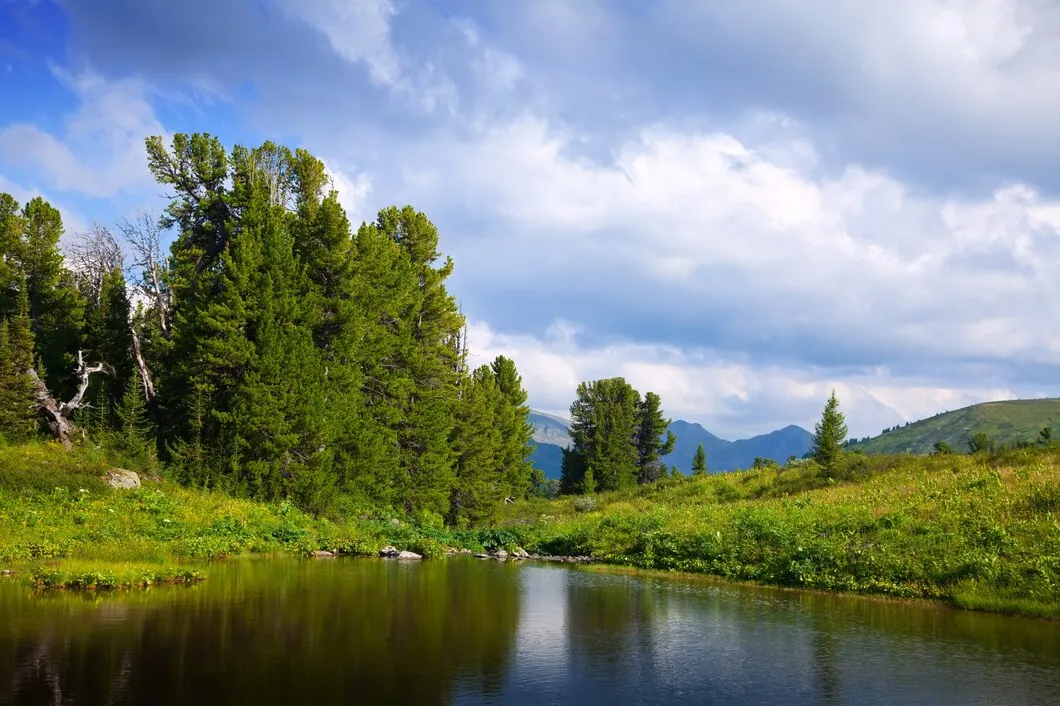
x=738, y=205
x=724, y=393
x=101, y=149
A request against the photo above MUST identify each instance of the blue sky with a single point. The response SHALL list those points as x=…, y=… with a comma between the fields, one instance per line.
x=737, y=205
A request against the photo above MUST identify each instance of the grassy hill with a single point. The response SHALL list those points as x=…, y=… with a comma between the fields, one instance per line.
x=1006, y=422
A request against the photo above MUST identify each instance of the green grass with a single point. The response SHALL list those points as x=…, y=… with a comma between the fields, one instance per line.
x=1007, y=422
x=978, y=532
x=61, y=526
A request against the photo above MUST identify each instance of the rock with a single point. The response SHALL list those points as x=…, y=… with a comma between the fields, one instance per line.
x=7, y=572
x=322, y=554
x=499, y=554
x=388, y=550
x=482, y=556
x=521, y=553
x=121, y=478
x=408, y=555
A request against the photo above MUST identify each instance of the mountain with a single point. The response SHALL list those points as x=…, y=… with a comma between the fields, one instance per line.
x=1006, y=422
x=551, y=435
x=723, y=455
x=549, y=429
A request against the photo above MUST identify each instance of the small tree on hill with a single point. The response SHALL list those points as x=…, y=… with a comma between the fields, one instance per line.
x=829, y=435
x=699, y=461
x=942, y=448
x=981, y=443
x=1045, y=436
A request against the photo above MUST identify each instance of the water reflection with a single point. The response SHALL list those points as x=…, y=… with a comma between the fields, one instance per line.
x=471, y=632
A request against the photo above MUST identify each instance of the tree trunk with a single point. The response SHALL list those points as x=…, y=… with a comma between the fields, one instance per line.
x=59, y=413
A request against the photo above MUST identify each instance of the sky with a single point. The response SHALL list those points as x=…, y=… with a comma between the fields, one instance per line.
x=739, y=206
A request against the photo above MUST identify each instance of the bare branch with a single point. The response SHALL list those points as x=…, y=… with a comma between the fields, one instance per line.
x=59, y=413
x=144, y=236
x=93, y=254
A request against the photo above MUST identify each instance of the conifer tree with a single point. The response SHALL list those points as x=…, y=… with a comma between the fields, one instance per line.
x=478, y=443
x=17, y=394
x=830, y=432
x=604, y=427
x=651, y=424
x=134, y=434
x=109, y=336
x=699, y=461
x=514, y=427
x=56, y=307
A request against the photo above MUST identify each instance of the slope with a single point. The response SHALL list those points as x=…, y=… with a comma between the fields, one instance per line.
x=1006, y=422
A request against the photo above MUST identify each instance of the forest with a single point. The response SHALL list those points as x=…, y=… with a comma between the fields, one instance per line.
x=272, y=351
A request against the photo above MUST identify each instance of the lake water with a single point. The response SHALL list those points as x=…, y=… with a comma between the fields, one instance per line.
x=463, y=631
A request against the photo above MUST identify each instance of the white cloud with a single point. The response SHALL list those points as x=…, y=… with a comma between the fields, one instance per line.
x=729, y=396
x=101, y=151
x=358, y=30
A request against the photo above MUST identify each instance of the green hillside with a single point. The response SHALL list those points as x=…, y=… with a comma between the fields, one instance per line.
x=1007, y=423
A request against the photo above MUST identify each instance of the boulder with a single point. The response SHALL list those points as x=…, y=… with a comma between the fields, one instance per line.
x=322, y=554
x=499, y=554
x=482, y=556
x=388, y=550
x=521, y=553
x=408, y=555
x=121, y=478
x=7, y=572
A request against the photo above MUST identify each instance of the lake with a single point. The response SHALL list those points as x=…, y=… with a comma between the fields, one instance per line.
x=466, y=631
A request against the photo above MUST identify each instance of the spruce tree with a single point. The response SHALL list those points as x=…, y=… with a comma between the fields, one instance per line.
x=134, y=434
x=830, y=432
x=699, y=461
x=651, y=424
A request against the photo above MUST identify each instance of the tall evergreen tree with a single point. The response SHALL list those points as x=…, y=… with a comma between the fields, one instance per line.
x=109, y=337
x=514, y=426
x=829, y=434
x=604, y=425
x=479, y=445
x=699, y=461
x=651, y=425
x=56, y=307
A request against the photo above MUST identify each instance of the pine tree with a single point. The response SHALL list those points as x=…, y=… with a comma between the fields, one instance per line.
x=478, y=442
x=56, y=307
x=17, y=393
x=134, y=435
x=699, y=461
x=604, y=426
x=514, y=427
x=829, y=435
x=651, y=424
x=109, y=336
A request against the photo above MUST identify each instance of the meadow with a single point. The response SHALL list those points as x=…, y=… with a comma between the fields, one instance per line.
x=976, y=531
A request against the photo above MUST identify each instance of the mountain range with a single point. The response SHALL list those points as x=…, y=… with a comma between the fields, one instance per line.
x=551, y=435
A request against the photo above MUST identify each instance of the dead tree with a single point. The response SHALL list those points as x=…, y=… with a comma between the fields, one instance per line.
x=141, y=365
x=144, y=237
x=59, y=414
x=95, y=254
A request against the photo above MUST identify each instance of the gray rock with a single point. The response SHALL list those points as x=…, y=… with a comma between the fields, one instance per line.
x=482, y=556
x=7, y=572
x=499, y=554
x=121, y=478
x=521, y=553
x=322, y=554
x=408, y=555
x=388, y=550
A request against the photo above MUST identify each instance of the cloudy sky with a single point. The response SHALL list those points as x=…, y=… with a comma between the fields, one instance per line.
x=739, y=205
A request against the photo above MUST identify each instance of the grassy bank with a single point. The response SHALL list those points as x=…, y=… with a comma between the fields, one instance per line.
x=60, y=526
x=980, y=532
